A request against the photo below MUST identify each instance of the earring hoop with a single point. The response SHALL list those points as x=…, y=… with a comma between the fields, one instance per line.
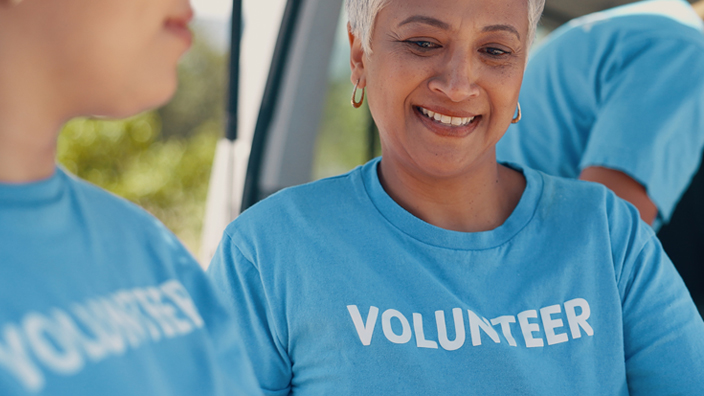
x=518, y=116
x=356, y=104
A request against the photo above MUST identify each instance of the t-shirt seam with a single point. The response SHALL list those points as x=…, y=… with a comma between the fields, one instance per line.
x=629, y=283
x=623, y=269
x=259, y=275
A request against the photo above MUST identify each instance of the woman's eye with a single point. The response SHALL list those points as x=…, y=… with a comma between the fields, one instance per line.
x=495, y=51
x=423, y=45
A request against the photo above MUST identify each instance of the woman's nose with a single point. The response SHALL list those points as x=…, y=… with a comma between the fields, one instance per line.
x=456, y=78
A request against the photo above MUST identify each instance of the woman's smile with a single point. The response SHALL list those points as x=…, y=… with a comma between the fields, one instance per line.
x=446, y=123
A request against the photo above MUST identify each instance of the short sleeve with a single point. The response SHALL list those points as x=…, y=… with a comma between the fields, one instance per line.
x=230, y=355
x=663, y=332
x=649, y=122
x=240, y=284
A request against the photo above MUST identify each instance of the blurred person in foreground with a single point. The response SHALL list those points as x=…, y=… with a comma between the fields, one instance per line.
x=617, y=97
x=435, y=270
x=96, y=296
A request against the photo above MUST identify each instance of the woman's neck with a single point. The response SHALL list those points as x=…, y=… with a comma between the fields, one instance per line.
x=33, y=102
x=25, y=156
x=29, y=127
x=479, y=200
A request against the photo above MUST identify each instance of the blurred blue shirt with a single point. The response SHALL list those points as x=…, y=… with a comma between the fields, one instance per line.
x=98, y=298
x=621, y=89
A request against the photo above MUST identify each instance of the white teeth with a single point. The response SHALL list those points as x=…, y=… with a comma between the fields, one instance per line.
x=447, y=120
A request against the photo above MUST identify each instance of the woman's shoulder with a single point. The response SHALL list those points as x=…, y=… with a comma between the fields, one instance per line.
x=585, y=196
x=587, y=215
x=593, y=206
x=300, y=213
x=103, y=205
x=311, y=199
x=109, y=215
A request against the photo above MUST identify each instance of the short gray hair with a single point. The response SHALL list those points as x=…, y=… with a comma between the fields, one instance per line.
x=362, y=14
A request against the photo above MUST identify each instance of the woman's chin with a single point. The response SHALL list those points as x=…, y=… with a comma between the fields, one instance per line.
x=436, y=166
x=445, y=171
x=134, y=104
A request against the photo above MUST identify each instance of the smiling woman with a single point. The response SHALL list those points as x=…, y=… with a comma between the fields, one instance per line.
x=437, y=270
x=459, y=65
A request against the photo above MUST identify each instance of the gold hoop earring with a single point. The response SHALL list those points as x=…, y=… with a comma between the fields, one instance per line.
x=518, y=116
x=356, y=104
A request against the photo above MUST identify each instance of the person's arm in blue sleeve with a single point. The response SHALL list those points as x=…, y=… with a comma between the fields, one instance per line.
x=649, y=122
x=239, y=282
x=625, y=187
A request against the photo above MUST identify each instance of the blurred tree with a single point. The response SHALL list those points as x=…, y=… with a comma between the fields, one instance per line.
x=201, y=93
x=168, y=177
x=162, y=159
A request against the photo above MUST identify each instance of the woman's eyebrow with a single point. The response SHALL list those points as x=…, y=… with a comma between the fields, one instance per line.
x=506, y=28
x=426, y=20
x=445, y=26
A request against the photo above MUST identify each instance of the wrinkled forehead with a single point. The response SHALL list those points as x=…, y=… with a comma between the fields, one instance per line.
x=453, y=15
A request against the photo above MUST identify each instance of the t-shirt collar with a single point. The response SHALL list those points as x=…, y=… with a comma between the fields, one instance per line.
x=436, y=236
x=33, y=193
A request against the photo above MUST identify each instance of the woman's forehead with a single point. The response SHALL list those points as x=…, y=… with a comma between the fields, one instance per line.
x=451, y=14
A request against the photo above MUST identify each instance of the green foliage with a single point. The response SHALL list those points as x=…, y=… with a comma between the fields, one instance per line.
x=201, y=94
x=169, y=177
x=343, y=138
x=160, y=160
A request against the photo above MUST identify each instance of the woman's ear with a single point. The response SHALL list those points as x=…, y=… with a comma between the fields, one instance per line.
x=356, y=59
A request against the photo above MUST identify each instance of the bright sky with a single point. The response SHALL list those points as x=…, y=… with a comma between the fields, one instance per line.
x=221, y=9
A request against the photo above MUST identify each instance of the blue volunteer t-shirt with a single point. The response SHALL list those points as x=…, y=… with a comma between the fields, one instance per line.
x=98, y=298
x=621, y=89
x=340, y=291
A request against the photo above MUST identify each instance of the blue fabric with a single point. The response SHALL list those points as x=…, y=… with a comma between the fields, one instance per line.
x=98, y=298
x=340, y=291
x=621, y=89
